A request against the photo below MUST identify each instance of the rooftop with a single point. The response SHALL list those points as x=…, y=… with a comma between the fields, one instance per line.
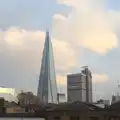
x=76, y=106
x=114, y=106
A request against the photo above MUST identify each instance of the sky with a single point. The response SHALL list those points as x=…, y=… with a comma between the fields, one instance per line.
x=83, y=32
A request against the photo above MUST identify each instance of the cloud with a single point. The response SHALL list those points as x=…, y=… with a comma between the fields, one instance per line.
x=87, y=26
x=21, y=38
x=26, y=47
x=61, y=80
x=59, y=17
x=99, y=78
x=65, y=56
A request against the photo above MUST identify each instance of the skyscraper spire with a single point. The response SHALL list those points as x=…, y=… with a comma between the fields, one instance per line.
x=47, y=88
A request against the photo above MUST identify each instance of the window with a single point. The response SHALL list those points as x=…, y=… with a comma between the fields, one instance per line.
x=94, y=118
x=74, y=118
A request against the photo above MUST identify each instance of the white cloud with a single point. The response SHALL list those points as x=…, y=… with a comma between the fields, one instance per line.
x=26, y=47
x=65, y=56
x=100, y=78
x=88, y=26
x=20, y=38
x=59, y=17
x=61, y=80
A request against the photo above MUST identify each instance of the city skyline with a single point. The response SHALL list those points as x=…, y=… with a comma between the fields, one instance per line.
x=83, y=32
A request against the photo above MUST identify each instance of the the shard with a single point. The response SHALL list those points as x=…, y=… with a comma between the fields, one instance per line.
x=47, y=87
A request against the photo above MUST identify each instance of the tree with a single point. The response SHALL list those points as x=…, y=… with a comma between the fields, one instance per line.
x=26, y=98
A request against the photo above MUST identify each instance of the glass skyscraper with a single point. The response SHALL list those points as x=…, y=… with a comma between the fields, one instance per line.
x=47, y=87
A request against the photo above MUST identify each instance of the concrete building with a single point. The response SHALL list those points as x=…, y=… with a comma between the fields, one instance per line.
x=61, y=98
x=115, y=98
x=79, y=86
x=88, y=76
x=15, y=109
x=47, y=87
x=102, y=103
x=83, y=111
x=76, y=87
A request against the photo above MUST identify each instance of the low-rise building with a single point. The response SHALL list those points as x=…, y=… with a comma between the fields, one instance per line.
x=74, y=111
x=102, y=103
x=31, y=108
x=115, y=98
x=82, y=111
x=15, y=109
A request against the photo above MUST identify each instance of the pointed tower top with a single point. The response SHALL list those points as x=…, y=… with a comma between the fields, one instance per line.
x=47, y=31
x=47, y=34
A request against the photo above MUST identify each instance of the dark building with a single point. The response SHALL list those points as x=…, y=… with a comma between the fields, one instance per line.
x=74, y=111
x=2, y=107
x=83, y=111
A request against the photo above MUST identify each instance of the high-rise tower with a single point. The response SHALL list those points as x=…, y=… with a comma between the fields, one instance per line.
x=47, y=87
x=79, y=86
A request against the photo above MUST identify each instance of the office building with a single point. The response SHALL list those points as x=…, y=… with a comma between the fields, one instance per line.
x=115, y=98
x=88, y=76
x=47, y=87
x=61, y=98
x=79, y=86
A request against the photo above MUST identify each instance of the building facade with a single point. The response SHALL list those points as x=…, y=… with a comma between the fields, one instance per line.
x=88, y=76
x=47, y=87
x=79, y=87
x=61, y=98
x=76, y=87
x=115, y=98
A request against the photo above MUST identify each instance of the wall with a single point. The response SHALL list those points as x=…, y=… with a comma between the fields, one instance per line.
x=15, y=110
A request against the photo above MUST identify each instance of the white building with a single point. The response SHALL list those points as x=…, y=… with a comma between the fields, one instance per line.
x=61, y=98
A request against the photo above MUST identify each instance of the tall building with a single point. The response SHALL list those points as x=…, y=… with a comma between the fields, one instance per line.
x=79, y=86
x=76, y=87
x=88, y=75
x=47, y=87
